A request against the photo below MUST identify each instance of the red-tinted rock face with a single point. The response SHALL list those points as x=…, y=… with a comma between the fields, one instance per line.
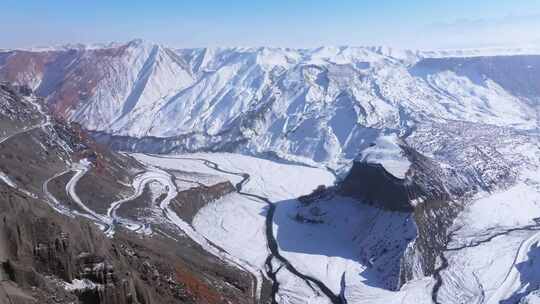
x=66, y=78
x=24, y=68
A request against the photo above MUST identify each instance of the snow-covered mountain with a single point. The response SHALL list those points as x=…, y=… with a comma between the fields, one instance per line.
x=443, y=149
x=320, y=105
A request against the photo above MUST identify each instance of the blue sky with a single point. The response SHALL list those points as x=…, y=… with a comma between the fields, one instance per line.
x=293, y=23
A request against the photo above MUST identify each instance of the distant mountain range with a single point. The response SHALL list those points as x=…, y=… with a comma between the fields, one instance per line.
x=312, y=105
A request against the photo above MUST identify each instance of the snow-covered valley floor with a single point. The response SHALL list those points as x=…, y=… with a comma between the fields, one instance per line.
x=347, y=243
x=355, y=249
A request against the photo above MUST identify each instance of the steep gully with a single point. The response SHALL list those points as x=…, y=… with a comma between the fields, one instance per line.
x=504, y=289
x=272, y=243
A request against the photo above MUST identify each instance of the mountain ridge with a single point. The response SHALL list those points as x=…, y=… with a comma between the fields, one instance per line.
x=275, y=100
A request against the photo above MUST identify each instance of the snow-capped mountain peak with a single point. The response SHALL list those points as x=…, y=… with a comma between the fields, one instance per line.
x=306, y=104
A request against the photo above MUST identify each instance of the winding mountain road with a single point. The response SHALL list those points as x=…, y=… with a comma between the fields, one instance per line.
x=51, y=199
x=81, y=169
x=168, y=181
x=47, y=121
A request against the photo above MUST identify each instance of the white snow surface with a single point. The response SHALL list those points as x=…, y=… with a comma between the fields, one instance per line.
x=352, y=247
x=353, y=241
x=80, y=285
x=235, y=222
x=324, y=107
x=387, y=152
x=501, y=269
x=532, y=298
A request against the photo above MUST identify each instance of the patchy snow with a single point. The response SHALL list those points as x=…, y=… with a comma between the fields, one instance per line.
x=138, y=184
x=532, y=298
x=8, y=181
x=80, y=285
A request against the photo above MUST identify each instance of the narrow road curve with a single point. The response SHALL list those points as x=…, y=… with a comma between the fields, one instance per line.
x=80, y=170
x=19, y=132
x=106, y=223
x=46, y=122
x=43, y=125
x=138, y=184
x=57, y=206
x=4, y=177
x=53, y=202
x=271, y=240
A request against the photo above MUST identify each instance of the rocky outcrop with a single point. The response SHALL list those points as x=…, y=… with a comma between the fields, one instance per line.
x=372, y=184
x=433, y=195
x=188, y=202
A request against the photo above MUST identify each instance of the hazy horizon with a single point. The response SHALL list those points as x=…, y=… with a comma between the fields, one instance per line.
x=417, y=24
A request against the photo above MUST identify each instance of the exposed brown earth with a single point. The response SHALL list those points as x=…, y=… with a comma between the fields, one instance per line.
x=189, y=202
x=43, y=252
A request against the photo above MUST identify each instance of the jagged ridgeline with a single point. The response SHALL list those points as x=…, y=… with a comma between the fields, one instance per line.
x=322, y=105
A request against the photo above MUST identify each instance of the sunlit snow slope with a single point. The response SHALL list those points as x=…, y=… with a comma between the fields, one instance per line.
x=322, y=105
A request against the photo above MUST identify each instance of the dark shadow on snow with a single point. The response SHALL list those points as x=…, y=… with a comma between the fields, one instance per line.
x=377, y=242
x=529, y=275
